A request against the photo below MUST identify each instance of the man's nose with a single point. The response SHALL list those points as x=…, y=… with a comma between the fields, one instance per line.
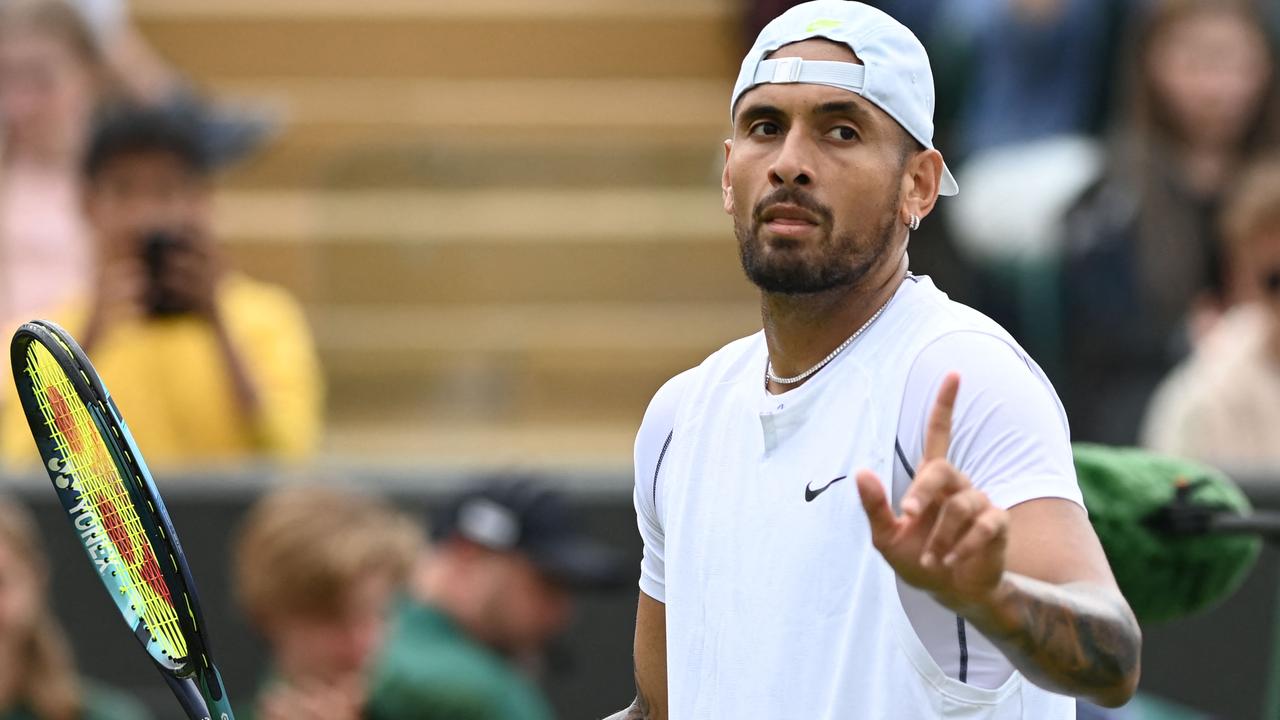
x=793, y=164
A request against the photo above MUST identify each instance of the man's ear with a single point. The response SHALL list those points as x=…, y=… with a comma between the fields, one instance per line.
x=726, y=188
x=921, y=180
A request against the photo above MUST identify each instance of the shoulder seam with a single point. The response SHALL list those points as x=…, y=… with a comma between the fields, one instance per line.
x=658, y=468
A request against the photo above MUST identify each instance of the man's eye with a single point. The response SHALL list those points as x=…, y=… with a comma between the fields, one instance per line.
x=765, y=128
x=844, y=132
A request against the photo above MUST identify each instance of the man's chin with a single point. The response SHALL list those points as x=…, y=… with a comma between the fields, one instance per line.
x=790, y=282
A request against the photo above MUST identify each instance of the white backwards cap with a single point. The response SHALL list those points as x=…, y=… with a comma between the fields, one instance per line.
x=894, y=73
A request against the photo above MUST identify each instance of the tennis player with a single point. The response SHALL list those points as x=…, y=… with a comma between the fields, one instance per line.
x=835, y=526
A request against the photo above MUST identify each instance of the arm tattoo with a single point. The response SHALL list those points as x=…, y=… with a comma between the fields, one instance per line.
x=1079, y=639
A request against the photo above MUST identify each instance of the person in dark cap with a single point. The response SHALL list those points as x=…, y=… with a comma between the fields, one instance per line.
x=494, y=591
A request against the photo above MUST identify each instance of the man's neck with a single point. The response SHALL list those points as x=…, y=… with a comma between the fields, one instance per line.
x=801, y=330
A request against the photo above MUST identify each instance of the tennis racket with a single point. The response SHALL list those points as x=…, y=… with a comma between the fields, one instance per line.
x=112, y=503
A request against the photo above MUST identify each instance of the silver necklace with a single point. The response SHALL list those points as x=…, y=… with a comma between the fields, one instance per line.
x=768, y=367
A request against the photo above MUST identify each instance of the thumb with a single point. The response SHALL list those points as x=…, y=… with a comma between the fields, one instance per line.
x=876, y=504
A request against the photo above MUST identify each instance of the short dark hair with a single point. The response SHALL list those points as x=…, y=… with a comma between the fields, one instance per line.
x=909, y=146
x=124, y=129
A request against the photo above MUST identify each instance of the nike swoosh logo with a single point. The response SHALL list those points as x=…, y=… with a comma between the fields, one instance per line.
x=810, y=493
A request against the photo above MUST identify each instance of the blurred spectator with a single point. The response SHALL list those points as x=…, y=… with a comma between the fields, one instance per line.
x=1140, y=253
x=1222, y=405
x=207, y=364
x=58, y=59
x=1022, y=87
x=1034, y=68
x=316, y=571
x=51, y=78
x=497, y=589
x=38, y=680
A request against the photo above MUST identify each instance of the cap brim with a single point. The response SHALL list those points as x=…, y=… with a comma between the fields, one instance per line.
x=949, y=185
x=582, y=563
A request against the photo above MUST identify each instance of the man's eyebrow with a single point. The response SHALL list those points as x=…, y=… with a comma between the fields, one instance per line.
x=853, y=109
x=758, y=111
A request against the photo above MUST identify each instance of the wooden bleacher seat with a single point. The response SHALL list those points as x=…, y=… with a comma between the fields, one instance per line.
x=503, y=216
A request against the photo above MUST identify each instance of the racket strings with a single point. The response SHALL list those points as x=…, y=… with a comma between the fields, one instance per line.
x=99, y=484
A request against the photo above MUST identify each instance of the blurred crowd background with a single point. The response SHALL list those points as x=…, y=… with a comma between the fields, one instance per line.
x=400, y=245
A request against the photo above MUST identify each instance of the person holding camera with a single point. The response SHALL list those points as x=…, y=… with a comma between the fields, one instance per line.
x=209, y=365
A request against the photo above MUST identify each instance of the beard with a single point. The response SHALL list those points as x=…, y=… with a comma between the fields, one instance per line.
x=836, y=260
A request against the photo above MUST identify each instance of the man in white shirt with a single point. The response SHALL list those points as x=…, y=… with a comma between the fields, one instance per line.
x=964, y=580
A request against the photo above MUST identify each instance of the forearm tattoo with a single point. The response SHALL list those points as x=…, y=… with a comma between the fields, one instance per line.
x=1077, y=638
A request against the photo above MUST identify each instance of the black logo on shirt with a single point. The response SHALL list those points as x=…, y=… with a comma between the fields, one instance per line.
x=810, y=493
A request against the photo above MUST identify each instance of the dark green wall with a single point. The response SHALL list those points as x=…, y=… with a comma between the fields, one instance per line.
x=1219, y=662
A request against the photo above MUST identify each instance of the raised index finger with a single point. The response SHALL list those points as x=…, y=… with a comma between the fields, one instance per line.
x=937, y=434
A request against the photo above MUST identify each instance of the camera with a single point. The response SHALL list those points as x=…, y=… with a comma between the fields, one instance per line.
x=157, y=247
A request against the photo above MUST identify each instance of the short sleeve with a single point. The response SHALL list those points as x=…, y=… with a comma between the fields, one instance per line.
x=1009, y=430
x=652, y=442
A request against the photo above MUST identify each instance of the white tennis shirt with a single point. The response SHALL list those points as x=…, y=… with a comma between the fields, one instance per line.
x=777, y=604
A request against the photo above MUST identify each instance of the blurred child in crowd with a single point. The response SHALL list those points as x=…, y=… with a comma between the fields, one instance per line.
x=316, y=571
x=1222, y=405
x=1141, y=257
x=51, y=80
x=38, y=679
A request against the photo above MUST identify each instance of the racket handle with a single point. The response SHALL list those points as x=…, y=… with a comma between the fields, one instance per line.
x=188, y=696
x=215, y=695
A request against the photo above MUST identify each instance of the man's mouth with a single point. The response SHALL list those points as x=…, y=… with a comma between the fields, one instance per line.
x=787, y=213
x=788, y=220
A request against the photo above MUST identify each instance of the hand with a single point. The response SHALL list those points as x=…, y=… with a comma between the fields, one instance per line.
x=950, y=540
x=119, y=290
x=312, y=701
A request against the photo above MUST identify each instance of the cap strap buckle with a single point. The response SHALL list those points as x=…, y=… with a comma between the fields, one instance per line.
x=787, y=70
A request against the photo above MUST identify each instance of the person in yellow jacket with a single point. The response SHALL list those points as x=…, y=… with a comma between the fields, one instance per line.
x=207, y=365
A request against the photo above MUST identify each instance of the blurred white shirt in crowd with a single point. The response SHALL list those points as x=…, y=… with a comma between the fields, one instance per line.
x=1222, y=405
